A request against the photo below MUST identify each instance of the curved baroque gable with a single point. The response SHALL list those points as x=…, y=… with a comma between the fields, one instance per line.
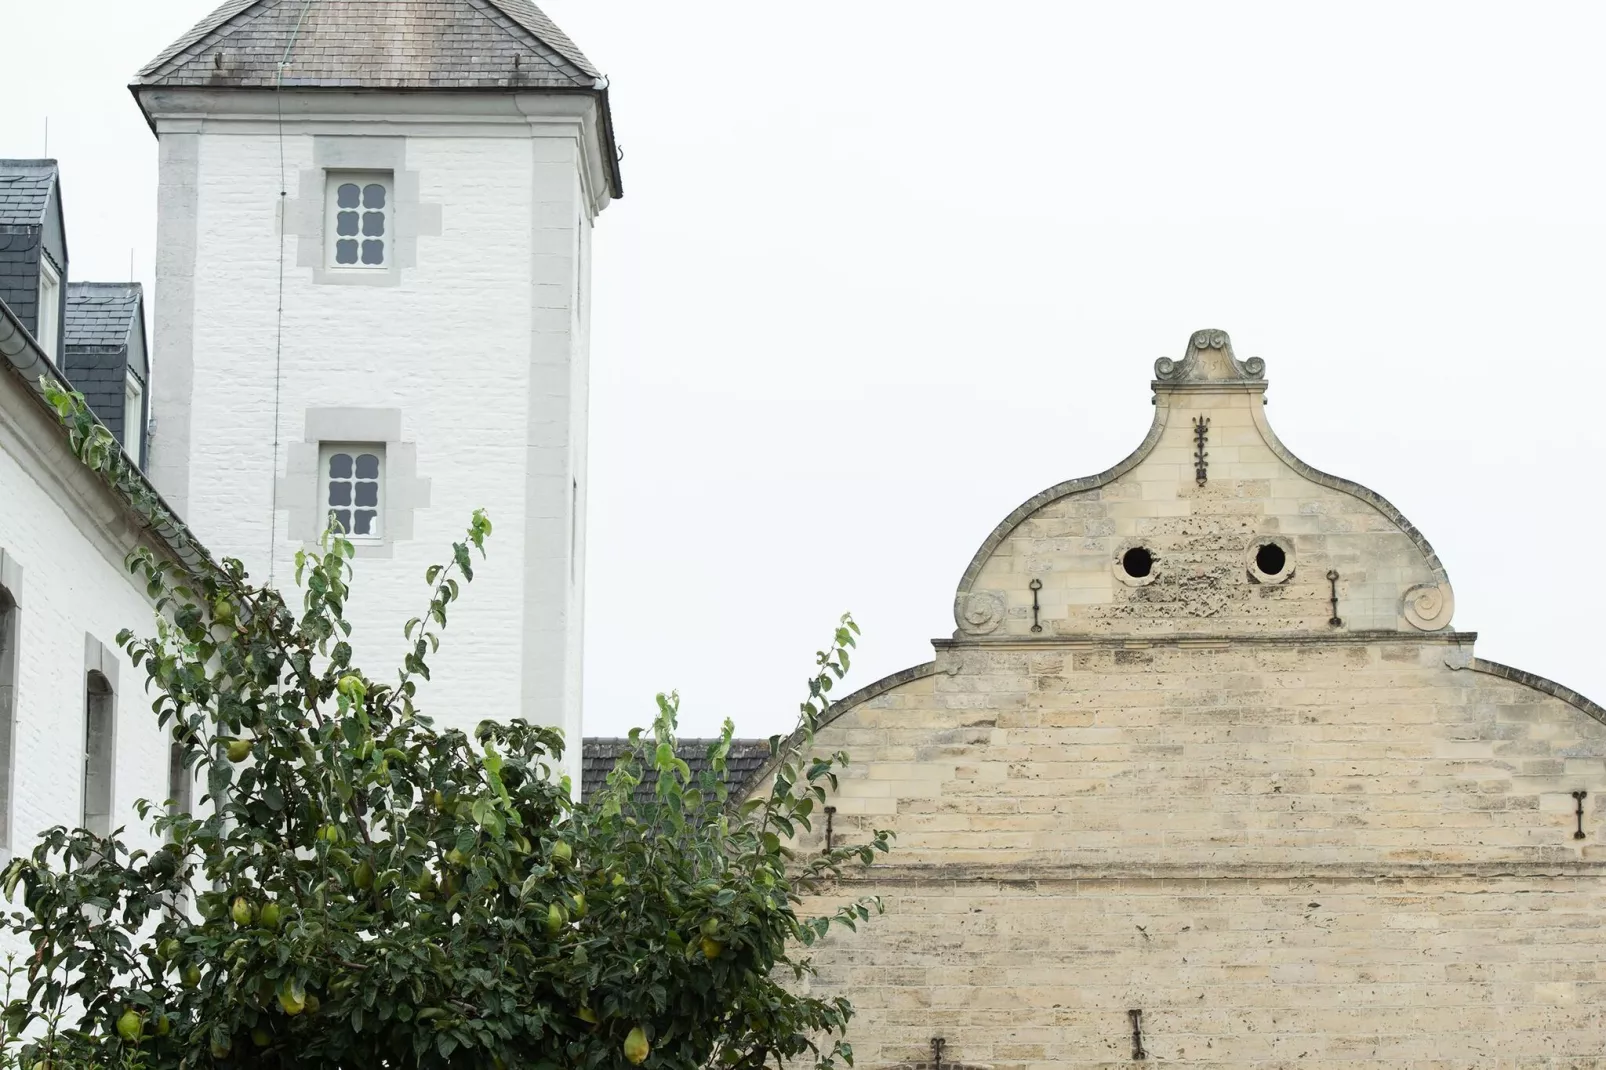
x=1195, y=812
x=1207, y=490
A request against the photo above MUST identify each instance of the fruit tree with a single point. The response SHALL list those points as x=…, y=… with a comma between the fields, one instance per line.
x=359, y=888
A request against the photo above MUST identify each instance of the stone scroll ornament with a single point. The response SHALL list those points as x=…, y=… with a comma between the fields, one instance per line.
x=1209, y=359
x=1429, y=605
x=979, y=612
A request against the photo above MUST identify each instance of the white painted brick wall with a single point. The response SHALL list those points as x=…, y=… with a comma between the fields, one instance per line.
x=481, y=346
x=73, y=583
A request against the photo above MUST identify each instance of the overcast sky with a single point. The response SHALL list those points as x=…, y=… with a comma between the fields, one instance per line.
x=885, y=270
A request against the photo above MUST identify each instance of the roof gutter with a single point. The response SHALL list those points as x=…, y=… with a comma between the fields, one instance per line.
x=19, y=347
x=609, y=146
x=142, y=502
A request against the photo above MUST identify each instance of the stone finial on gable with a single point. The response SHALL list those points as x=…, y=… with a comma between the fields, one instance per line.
x=1209, y=359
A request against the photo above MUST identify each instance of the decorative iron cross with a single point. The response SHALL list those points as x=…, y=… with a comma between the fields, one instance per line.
x=1201, y=427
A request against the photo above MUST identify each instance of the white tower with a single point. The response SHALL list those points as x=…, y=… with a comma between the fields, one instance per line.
x=371, y=297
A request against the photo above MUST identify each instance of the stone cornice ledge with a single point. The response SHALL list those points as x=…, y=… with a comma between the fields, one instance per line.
x=1033, y=872
x=1208, y=641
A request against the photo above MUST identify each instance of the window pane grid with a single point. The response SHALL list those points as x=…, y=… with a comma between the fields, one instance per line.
x=359, y=206
x=351, y=490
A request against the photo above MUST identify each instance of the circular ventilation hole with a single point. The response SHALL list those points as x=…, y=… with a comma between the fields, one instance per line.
x=1137, y=562
x=1270, y=559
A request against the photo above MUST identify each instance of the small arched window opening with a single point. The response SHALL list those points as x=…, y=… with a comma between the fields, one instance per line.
x=180, y=782
x=10, y=621
x=99, y=752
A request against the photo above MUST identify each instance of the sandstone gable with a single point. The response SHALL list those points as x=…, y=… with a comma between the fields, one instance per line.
x=1288, y=834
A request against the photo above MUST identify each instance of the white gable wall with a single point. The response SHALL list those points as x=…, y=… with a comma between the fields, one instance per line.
x=469, y=362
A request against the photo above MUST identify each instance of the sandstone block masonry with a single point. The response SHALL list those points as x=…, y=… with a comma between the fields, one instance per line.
x=1291, y=832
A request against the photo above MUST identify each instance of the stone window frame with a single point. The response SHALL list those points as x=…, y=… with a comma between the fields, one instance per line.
x=10, y=666
x=101, y=663
x=307, y=217
x=402, y=492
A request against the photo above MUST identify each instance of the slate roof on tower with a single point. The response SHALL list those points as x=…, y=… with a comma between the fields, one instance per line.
x=408, y=45
x=375, y=44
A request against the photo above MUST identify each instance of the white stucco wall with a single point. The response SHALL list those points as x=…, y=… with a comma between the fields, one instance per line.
x=64, y=544
x=478, y=341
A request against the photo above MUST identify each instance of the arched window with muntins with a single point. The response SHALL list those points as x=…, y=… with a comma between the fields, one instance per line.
x=99, y=752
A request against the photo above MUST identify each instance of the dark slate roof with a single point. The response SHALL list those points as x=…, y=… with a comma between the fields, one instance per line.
x=599, y=754
x=376, y=44
x=101, y=314
x=25, y=191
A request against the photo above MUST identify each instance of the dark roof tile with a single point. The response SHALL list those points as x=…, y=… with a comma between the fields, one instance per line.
x=378, y=44
x=600, y=753
x=25, y=191
x=101, y=313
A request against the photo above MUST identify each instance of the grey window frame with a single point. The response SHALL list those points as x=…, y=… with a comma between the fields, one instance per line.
x=403, y=492
x=306, y=215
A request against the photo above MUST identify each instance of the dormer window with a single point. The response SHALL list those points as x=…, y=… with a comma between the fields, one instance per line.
x=358, y=219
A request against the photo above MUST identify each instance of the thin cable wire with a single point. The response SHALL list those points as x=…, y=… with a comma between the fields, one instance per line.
x=278, y=315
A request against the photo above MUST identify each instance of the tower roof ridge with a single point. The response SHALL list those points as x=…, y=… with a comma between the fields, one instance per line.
x=374, y=44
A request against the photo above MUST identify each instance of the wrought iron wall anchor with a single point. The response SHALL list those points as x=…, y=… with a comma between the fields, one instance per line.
x=1137, y=1034
x=1332, y=578
x=1201, y=427
x=937, y=1044
x=1036, y=585
x=1579, y=797
x=830, y=830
